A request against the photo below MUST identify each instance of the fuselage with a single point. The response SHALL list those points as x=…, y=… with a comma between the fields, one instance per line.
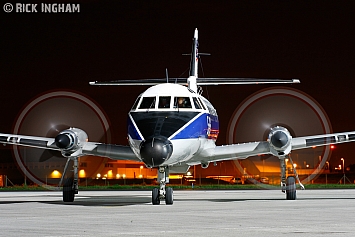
x=169, y=124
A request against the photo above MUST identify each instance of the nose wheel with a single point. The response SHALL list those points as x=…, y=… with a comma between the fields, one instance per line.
x=163, y=193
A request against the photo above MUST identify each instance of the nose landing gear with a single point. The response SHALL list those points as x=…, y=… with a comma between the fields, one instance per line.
x=163, y=193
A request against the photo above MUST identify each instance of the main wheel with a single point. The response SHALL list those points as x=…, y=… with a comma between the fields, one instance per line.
x=290, y=188
x=68, y=191
x=155, y=196
x=169, y=196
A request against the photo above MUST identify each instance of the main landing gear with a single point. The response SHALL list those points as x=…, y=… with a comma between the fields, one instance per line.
x=163, y=192
x=71, y=185
x=288, y=185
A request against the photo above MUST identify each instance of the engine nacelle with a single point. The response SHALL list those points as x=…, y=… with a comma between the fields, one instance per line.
x=280, y=141
x=70, y=140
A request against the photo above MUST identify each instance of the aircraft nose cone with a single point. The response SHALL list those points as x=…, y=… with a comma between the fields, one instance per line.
x=155, y=151
x=279, y=139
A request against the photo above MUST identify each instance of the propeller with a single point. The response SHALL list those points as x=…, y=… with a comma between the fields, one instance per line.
x=294, y=110
x=46, y=116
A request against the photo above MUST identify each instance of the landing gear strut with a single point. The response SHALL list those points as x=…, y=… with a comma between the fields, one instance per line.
x=163, y=192
x=288, y=185
x=71, y=185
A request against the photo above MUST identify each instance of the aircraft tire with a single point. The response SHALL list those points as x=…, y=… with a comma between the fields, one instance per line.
x=169, y=196
x=68, y=192
x=290, y=188
x=155, y=196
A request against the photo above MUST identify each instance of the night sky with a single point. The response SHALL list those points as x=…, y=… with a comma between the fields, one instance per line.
x=113, y=40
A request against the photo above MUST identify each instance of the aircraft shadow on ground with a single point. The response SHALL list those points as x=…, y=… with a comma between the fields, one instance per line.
x=282, y=198
x=92, y=201
x=140, y=200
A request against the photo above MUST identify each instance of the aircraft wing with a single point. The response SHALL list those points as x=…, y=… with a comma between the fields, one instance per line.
x=30, y=141
x=321, y=140
x=280, y=143
x=115, y=152
x=231, y=152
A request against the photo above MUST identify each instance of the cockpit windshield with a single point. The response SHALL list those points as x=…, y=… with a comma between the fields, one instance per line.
x=168, y=102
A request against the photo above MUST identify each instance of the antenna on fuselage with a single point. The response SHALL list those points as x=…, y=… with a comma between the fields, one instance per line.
x=166, y=74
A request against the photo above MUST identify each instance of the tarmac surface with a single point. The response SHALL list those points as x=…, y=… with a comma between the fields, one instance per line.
x=194, y=213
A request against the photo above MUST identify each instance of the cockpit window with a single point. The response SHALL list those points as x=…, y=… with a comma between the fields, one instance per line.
x=196, y=103
x=210, y=107
x=201, y=104
x=136, y=103
x=148, y=103
x=164, y=102
x=182, y=102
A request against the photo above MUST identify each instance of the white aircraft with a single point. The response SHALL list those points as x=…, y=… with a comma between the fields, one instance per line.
x=171, y=127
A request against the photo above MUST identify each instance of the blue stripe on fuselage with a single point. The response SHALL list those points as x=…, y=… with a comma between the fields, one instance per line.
x=200, y=127
x=132, y=131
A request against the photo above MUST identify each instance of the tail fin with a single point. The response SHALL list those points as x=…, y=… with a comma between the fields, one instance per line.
x=194, y=56
x=191, y=81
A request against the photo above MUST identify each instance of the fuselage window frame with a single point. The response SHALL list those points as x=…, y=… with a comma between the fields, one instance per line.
x=182, y=102
x=203, y=106
x=196, y=103
x=162, y=104
x=148, y=102
x=135, y=105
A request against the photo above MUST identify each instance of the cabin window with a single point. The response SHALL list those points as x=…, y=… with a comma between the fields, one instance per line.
x=196, y=103
x=164, y=102
x=182, y=102
x=136, y=103
x=148, y=103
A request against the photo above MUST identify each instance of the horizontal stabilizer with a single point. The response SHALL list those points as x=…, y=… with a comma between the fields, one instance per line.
x=140, y=82
x=200, y=81
x=241, y=81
